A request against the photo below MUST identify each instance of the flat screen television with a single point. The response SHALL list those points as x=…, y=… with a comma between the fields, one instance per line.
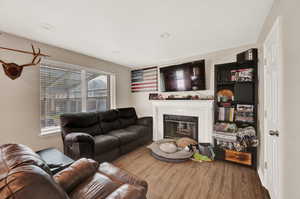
x=183, y=77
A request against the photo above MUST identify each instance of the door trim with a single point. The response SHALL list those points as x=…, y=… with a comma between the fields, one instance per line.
x=277, y=26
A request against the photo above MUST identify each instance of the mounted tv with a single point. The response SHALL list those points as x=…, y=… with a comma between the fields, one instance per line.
x=183, y=77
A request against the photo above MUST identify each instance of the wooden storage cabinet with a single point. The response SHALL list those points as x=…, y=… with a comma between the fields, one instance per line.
x=238, y=157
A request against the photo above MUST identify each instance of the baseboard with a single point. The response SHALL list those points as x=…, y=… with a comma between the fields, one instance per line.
x=261, y=177
x=266, y=193
x=262, y=180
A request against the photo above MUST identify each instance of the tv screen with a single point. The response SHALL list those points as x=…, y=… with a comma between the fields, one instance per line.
x=183, y=77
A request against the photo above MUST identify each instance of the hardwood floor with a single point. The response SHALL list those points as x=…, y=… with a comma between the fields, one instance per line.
x=192, y=180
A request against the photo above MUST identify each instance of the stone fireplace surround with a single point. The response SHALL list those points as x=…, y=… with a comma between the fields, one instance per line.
x=203, y=109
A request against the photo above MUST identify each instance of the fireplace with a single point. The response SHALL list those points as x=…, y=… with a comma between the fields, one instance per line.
x=176, y=126
x=201, y=109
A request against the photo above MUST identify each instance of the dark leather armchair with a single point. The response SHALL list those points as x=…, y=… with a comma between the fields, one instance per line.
x=104, y=136
x=24, y=175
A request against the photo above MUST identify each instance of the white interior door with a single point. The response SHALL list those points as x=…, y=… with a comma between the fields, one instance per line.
x=272, y=85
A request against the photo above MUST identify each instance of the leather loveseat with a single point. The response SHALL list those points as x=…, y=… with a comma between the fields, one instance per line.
x=104, y=136
x=24, y=175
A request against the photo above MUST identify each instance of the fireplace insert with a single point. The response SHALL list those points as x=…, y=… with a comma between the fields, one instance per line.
x=177, y=126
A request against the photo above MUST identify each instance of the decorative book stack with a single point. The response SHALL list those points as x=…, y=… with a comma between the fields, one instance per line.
x=226, y=114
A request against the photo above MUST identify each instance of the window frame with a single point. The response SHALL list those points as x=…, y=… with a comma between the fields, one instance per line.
x=61, y=65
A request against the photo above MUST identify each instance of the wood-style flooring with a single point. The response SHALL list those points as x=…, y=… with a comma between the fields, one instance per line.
x=192, y=180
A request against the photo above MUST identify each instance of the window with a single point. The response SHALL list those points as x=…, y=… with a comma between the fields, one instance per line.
x=67, y=89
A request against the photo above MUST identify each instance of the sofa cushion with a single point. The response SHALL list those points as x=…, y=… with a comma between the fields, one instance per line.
x=80, y=122
x=105, y=143
x=141, y=130
x=72, y=176
x=109, y=120
x=127, y=116
x=124, y=136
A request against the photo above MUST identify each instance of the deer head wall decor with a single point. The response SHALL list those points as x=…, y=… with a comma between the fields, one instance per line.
x=13, y=70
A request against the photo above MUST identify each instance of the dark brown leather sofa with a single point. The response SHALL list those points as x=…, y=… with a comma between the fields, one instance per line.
x=24, y=175
x=104, y=136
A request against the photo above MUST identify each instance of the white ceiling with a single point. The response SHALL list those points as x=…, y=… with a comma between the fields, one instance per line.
x=129, y=32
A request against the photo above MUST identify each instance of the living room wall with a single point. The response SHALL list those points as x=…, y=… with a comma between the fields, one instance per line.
x=141, y=102
x=19, y=104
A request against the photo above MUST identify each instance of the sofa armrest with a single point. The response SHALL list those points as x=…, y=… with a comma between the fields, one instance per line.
x=78, y=145
x=75, y=174
x=146, y=121
x=118, y=174
x=79, y=137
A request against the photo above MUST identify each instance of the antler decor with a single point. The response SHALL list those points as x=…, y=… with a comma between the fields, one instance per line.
x=13, y=70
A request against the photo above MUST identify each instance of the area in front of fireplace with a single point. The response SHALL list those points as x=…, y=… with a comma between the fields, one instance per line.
x=176, y=126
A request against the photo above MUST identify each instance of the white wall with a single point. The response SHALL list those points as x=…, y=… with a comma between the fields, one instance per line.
x=290, y=133
x=141, y=100
x=19, y=99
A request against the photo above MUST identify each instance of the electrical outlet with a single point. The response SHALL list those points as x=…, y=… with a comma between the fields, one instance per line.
x=266, y=165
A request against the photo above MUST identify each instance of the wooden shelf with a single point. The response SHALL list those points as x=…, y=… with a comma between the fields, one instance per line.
x=240, y=122
x=225, y=83
x=238, y=102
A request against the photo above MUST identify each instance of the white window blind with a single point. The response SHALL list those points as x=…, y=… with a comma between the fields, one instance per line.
x=66, y=89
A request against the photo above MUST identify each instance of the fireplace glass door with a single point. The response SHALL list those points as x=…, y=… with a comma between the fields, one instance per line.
x=176, y=126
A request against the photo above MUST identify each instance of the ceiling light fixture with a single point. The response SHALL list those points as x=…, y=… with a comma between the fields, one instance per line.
x=165, y=35
x=47, y=26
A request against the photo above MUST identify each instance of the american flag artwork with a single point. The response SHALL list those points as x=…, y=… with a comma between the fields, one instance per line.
x=145, y=79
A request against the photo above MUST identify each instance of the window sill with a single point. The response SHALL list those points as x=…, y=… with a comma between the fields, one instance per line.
x=50, y=132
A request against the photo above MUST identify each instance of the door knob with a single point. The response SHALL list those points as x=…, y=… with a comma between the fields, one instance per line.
x=274, y=133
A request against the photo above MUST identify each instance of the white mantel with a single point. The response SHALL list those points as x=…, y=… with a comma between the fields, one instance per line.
x=203, y=109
